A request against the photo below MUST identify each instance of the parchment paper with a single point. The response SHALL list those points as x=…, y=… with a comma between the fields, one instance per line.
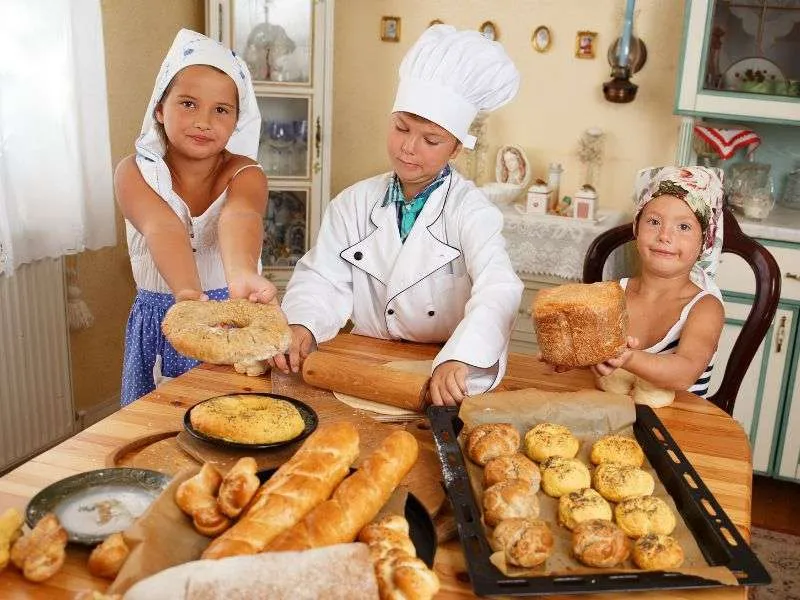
x=589, y=414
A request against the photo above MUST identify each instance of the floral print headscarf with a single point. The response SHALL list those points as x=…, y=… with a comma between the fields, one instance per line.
x=701, y=189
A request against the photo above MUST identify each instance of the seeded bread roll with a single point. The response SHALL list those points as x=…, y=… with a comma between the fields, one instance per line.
x=564, y=475
x=657, y=552
x=512, y=466
x=599, y=543
x=548, y=439
x=583, y=505
x=491, y=440
x=525, y=542
x=643, y=515
x=579, y=324
x=617, y=482
x=617, y=449
x=513, y=498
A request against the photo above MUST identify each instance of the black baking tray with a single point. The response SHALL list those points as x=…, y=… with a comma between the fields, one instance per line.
x=716, y=535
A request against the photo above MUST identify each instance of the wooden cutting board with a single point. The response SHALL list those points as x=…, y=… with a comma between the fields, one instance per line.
x=158, y=451
x=424, y=479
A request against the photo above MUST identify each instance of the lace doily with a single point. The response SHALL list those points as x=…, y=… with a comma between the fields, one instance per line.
x=553, y=245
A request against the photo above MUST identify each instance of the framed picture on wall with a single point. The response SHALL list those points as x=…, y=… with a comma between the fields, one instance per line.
x=585, y=44
x=541, y=39
x=489, y=30
x=390, y=29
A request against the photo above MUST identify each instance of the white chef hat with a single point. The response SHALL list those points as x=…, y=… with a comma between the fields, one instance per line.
x=448, y=76
x=192, y=48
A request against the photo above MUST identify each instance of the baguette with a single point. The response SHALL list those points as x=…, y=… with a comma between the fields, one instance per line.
x=357, y=499
x=301, y=483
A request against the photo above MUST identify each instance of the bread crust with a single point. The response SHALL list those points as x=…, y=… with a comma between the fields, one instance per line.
x=248, y=419
x=618, y=449
x=490, y=440
x=108, y=557
x=582, y=505
x=564, y=475
x=617, y=482
x=238, y=487
x=251, y=331
x=513, y=498
x=655, y=552
x=599, y=543
x=549, y=439
x=524, y=542
x=645, y=514
x=579, y=324
x=511, y=466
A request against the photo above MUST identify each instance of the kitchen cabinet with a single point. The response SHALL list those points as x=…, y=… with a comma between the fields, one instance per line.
x=739, y=60
x=288, y=47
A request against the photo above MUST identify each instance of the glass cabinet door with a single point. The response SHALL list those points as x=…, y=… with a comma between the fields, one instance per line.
x=283, y=146
x=274, y=37
x=285, y=228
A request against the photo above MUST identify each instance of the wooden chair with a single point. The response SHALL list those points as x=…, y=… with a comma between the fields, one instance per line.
x=768, y=290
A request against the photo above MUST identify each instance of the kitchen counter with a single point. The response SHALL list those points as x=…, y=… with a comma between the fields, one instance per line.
x=782, y=224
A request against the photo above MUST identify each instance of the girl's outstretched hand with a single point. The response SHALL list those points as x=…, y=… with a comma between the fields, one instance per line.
x=612, y=364
x=252, y=286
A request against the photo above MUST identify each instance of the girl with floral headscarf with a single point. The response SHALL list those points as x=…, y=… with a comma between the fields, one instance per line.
x=674, y=307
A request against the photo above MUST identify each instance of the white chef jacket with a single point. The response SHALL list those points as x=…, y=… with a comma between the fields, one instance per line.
x=451, y=281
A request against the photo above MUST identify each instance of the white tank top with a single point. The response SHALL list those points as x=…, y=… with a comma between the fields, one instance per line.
x=669, y=343
x=202, y=231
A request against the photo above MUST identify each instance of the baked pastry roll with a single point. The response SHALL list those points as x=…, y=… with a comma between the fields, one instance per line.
x=107, y=558
x=599, y=543
x=525, y=542
x=617, y=449
x=511, y=466
x=657, y=552
x=491, y=440
x=513, y=498
x=549, y=439
x=564, y=475
x=617, y=482
x=582, y=505
x=643, y=515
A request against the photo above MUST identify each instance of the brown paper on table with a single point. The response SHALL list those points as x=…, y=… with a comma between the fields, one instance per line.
x=161, y=538
x=589, y=414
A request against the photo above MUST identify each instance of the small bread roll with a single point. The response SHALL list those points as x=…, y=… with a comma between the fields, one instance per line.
x=617, y=449
x=512, y=466
x=599, y=543
x=657, y=552
x=564, y=475
x=548, y=439
x=107, y=558
x=491, y=440
x=509, y=499
x=583, y=505
x=643, y=515
x=238, y=487
x=617, y=482
x=619, y=381
x=525, y=542
x=646, y=393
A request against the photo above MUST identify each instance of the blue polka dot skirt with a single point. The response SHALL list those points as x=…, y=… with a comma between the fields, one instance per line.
x=145, y=344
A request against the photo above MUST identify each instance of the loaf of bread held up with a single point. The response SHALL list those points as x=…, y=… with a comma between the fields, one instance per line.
x=299, y=485
x=357, y=499
x=581, y=324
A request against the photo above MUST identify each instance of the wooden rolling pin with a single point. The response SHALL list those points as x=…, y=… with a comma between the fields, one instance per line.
x=367, y=381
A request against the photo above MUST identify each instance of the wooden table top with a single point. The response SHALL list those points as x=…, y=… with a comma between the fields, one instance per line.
x=714, y=443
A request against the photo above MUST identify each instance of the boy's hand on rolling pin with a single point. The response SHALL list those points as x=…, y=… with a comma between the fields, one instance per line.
x=302, y=344
x=612, y=364
x=448, y=385
x=182, y=295
x=252, y=286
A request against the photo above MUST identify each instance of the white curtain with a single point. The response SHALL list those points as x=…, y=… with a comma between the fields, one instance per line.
x=56, y=193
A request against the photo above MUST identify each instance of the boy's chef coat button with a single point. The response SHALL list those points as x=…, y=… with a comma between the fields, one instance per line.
x=431, y=313
x=194, y=249
x=358, y=256
x=390, y=311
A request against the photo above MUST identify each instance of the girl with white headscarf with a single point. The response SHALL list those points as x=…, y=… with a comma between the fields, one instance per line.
x=417, y=253
x=674, y=306
x=193, y=198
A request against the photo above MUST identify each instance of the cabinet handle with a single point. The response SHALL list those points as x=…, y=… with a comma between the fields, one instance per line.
x=317, y=146
x=779, y=337
x=792, y=276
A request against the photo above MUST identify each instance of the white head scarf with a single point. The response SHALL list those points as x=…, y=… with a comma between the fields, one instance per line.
x=192, y=48
x=448, y=76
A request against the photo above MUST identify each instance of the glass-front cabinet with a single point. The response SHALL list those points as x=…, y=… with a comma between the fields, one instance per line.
x=287, y=45
x=741, y=60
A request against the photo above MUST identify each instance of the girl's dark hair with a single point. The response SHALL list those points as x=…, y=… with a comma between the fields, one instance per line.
x=162, y=134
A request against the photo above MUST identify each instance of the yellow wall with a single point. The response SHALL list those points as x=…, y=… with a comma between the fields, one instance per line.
x=560, y=96
x=137, y=35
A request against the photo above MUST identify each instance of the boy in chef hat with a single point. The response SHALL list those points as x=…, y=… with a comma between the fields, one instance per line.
x=417, y=253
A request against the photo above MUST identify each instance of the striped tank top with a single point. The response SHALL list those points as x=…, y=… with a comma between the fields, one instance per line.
x=670, y=342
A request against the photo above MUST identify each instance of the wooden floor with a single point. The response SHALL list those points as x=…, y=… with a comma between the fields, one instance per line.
x=775, y=505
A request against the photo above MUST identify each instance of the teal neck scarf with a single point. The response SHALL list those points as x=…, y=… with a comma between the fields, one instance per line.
x=407, y=212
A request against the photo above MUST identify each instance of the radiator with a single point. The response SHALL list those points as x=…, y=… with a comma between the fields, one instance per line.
x=35, y=395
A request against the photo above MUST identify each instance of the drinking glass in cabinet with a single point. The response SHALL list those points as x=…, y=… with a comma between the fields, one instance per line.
x=753, y=47
x=285, y=239
x=283, y=148
x=274, y=39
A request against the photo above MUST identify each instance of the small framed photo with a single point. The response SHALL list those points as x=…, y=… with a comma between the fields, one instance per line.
x=390, y=29
x=435, y=22
x=541, y=39
x=585, y=44
x=489, y=31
